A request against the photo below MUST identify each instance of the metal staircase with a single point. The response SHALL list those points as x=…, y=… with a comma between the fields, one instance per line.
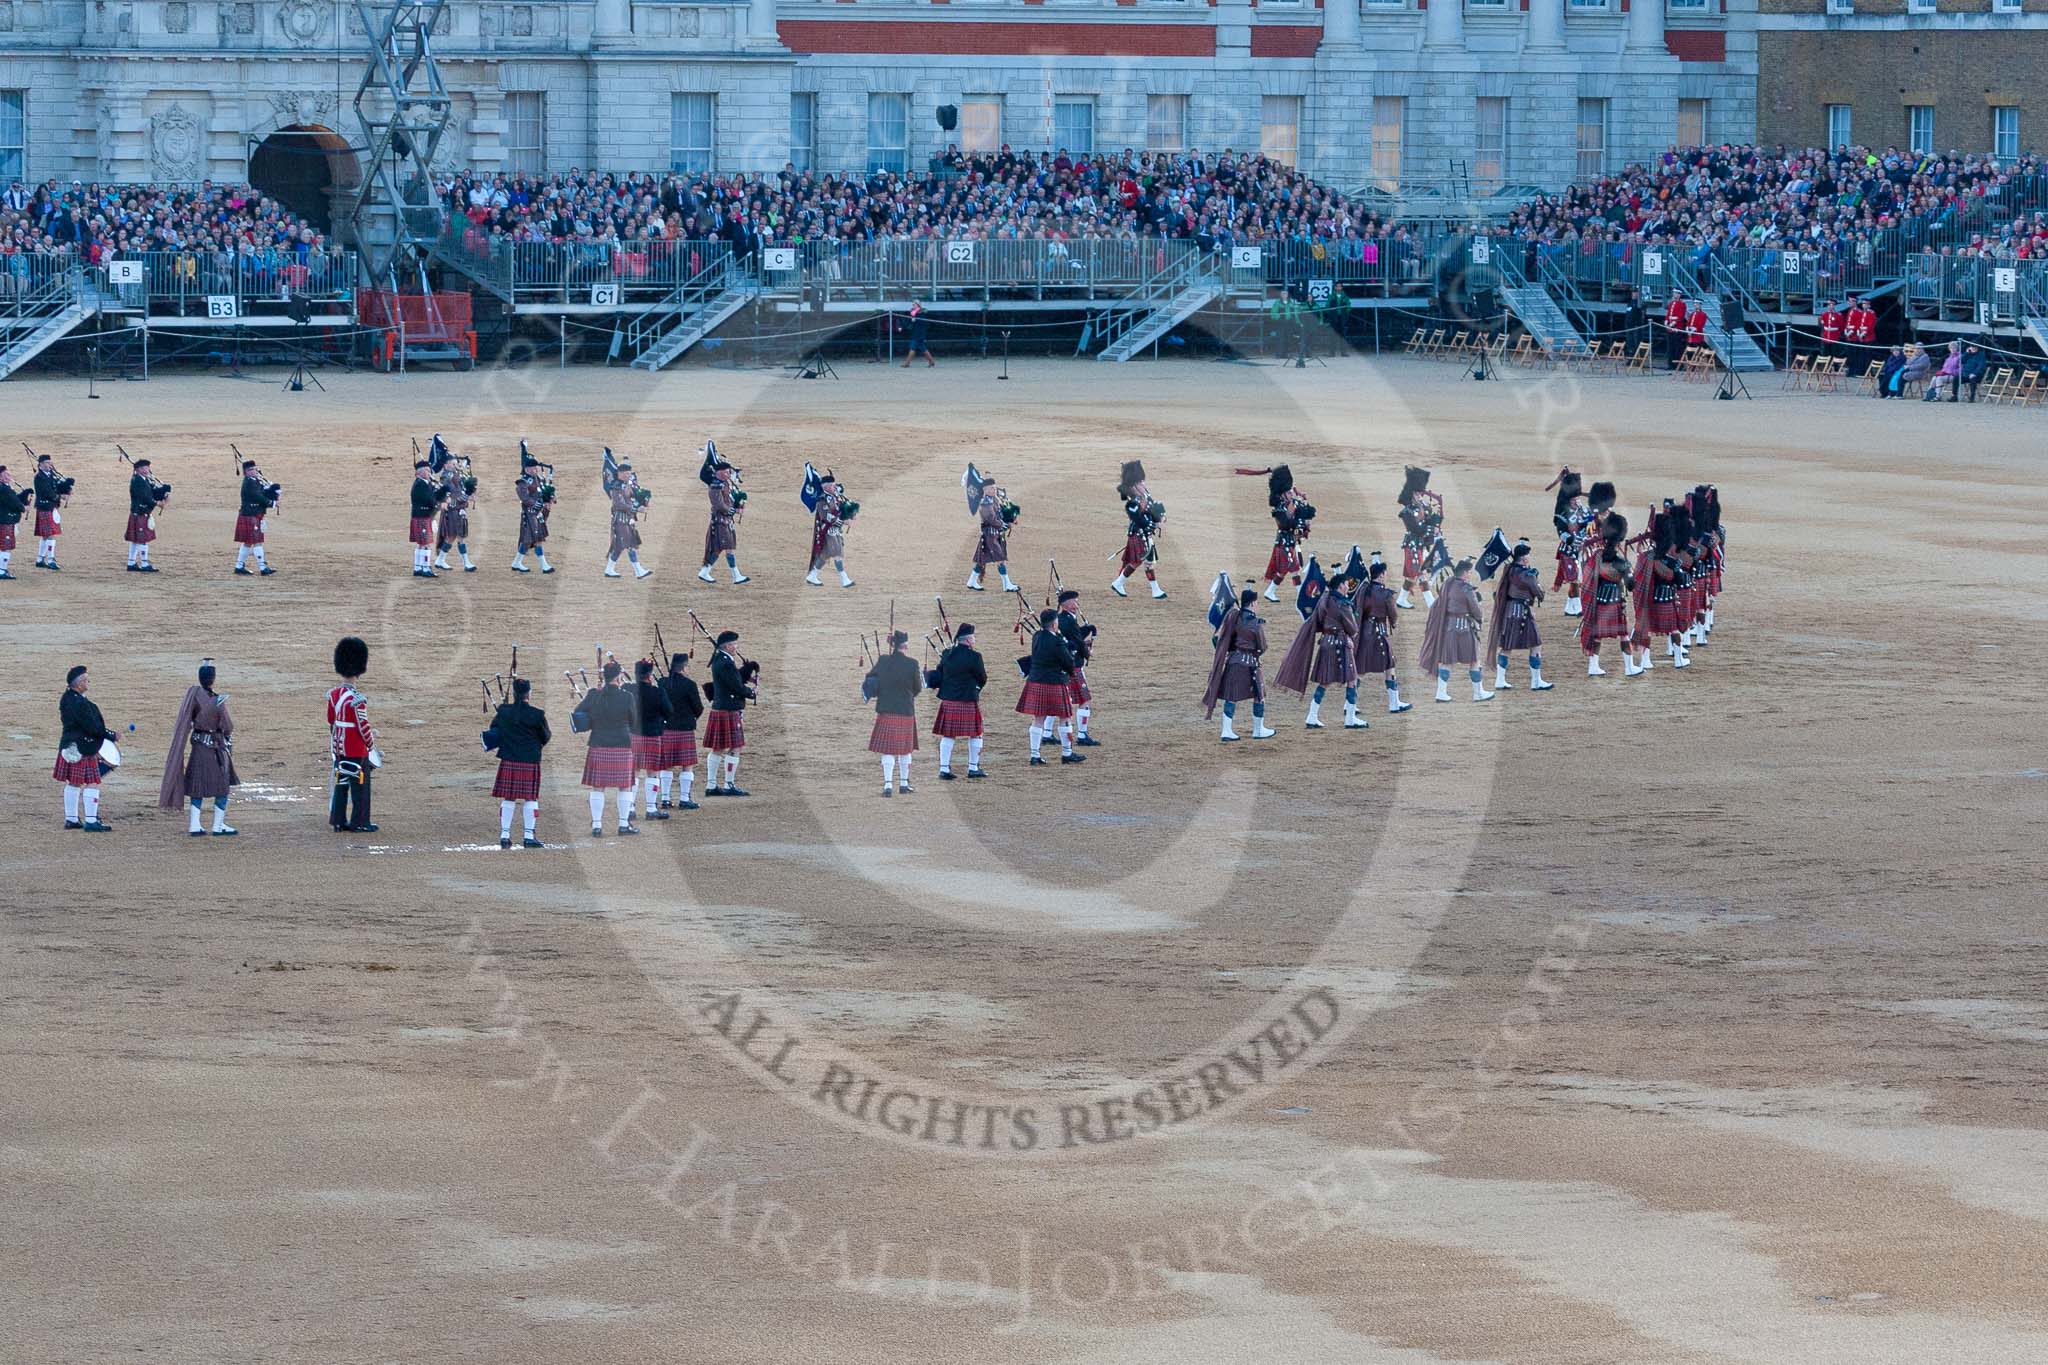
x=44, y=317
x=1181, y=289
x=1735, y=346
x=403, y=107
x=491, y=270
x=1534, y=308
x=696, y=308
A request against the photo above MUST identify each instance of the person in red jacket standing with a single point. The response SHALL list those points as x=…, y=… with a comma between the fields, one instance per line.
x=1830, y=329
x=1674, y=330
x=1696, y=327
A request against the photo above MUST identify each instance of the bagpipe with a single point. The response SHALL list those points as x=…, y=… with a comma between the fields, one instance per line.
x=867, y=682
x=580, y=687
x=812, y=494
x=750, y=669
x=64, y=485
x=440, y=457
x=544, y=473
x=158, y=489
x=273, y=493
x=502, y=682
x=940, y=637
x=975, y=482
x=714, y=464
x=620, y=473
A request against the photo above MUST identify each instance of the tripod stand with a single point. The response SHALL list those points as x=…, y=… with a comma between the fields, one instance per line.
x=1731, y=382
x=815, y=366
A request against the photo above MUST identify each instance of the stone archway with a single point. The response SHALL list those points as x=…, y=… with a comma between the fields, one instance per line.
x=306, y=167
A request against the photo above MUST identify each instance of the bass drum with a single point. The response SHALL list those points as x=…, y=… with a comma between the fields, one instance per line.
x=109, y=755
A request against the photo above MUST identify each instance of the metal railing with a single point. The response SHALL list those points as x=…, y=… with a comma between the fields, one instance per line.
x=182, y=282
x=1968, y=289
x=691, y=295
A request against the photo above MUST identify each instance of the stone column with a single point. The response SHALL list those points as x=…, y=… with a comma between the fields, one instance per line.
x=1646, y=25
x=761, y=24
x=1446, y=24
x=1340, y=23
x=1546, y=24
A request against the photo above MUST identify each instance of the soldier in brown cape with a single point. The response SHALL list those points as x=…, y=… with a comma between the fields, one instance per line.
x=1378, y=614
x=1325, y=652
x=204, y=726
x=1452, y=635
x=1234, y=675
x=1512, y=625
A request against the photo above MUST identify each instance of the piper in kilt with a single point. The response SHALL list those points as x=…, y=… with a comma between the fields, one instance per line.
x=1377, y=617
x=894, y=683
x=52, y=492
x=628, y=498
x=1571, y=517
x=1047, y=697
x=960, y=676
x=728, y=500
x=679, y=734
x=12, y=505
x=1142, y=515
x=994, y=515
x=428, y=493
x=145, y=496
x=205, y=727
x=1292, y=515
x=1234, y=673
x=257, y=498
x=1325, y=653
x=650, y=728
x=831, y=513
x=1513, y=623
x=1080, y=637
x=1608, y=619
x=78, y=754
x=607, y=713
x=1665, y=617
x=536, y=492
x=453, y=530
x=1451, y=635
x=520, y=730
x=1422, y=521
x=725, y=732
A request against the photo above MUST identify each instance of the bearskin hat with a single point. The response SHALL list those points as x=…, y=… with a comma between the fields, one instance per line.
x=1615, y=527
x=1133, y=474
x=1417, y=480
x=1278, y=484
x=351, y=657
x=1569, y=486
x=1600, y=496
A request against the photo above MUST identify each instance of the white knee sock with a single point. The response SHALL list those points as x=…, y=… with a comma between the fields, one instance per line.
x=684, y=781
x=732, y=769
x=888, y=770
x=661, y=782
x=70, y=804
x=91, y=798
x=532, y=813
x=505, y=819
x=1037, y=738
x=1081, y=721
x=260, y=563
x=945, y=754
x=650, y=792
x=5, y=556
x=626, y=795
x=1066, y=739
x=974, y=754
x=597, y=810
x=905, y=761
x=241, y=555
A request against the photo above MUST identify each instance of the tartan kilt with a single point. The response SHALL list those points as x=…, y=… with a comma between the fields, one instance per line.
x=893, y=735
x=422, y=532
x=678, y=749
x=958, y=720
x=1567, y=570
x=647, y=753
x=1606, y=621
x=1414, y=562
x=140, y=532
x=1285, y=560
x=605, y=767
x=47, y=524
x=84, y=773
x=248, y=530
x=7, y=536
x=1667, y=618
x=517, y=781
x=725, y=732
x=1134, y=552
x=1045, y=699
x=1077, y=688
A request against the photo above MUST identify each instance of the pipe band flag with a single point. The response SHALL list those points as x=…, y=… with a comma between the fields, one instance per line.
x=1494, y=555
x=1312, y=586
x=973, y=481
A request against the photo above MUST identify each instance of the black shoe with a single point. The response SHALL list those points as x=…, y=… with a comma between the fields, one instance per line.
x=888, y=791
x=1037, y=762
x=265, y=572
x=227, y=833
x=974, y=774
x=627, y=829
x=1073, y=758
x=687, y=805
x=531, y=843
x=549, y=569
x=145, y=568
x=945, y=776
x=72, y=824
x=198, y=833
x=469, y=568
x=51, y=566
x=666, y=804
x=362, y=829
x=504, y=841
x=520, y=568
x=735, y=791
x=1084, y=742
x=659, y=815
x=245, y=573
x=710, y=792
x=6, y=575
x=97, y=827
x=905, y=784
x=131, y=568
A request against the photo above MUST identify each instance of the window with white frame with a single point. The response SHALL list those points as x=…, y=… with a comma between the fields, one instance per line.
x=1166, y=123
x=1490, y=142
x=1919, y=6
x=526, y=149
x=1692, y=123
x=2005, y=132
x=1592, y=140
x=888, y=132
x=1841, y=6
x=981, y=125
x=1598, y=4
x=13, y=134
x=2006, y=6
x=692, y=119
x=1073, y=125
x=803, y=129
x=1839, y=125
x=1920, y=129
x=1687, y=4
x=1486, y=4
x=1280, y=128
x=1389, y=136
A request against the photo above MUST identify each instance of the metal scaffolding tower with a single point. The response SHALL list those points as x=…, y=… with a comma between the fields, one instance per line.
x=403, y=108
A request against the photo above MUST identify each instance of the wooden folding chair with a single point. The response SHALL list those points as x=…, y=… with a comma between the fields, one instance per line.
x=1997, y=385
x=2029, y=390
x=1456, y=346
x=1871, y=376
x=1639, y=363
x=1525, y=350
x=1830, y=373
x=1416, y=339
x=1800, y=374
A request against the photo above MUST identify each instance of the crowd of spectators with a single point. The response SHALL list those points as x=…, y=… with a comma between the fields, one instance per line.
x=203, y=226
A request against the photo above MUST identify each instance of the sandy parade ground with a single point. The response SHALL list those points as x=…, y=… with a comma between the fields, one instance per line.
x=1688, y=1018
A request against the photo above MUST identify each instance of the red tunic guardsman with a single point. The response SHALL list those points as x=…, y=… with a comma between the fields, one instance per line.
x=1675, y=313
x=1830, y=330
x=352, y=741
x=1696, y=327
x=1142, y=515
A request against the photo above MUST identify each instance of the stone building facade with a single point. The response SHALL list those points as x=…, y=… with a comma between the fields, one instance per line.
x=1357, y=91
x=1931, y=75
